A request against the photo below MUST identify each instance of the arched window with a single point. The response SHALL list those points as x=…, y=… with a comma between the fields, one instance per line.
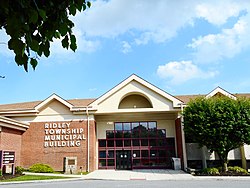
x=135, y=101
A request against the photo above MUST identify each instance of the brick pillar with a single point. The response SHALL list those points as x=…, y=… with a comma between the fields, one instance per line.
x=179, y=140
x=92, y=146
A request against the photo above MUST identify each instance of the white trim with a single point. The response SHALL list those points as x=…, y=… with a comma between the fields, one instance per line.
x=53, y=97
x=176, y=102
x=10, y=123
x=137, y=110
x=19, y=113
x=222, y=91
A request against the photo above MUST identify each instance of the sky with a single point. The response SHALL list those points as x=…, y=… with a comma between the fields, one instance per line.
x=182, y=47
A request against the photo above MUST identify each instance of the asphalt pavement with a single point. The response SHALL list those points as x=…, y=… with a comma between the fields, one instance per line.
x=120, y=175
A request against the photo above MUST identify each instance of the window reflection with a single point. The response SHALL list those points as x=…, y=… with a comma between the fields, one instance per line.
x=118, y=126
x=111, y=154
x=127, y=134
x=135, y=125
x=118, y=134
x=110, y=134
x=102, y=154
x=126, y=127
x=151, y=125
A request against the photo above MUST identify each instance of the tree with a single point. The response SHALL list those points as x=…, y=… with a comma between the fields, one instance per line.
x=33, y=24
x=219, y=123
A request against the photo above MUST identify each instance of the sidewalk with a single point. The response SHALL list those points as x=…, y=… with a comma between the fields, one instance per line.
x=164, y=174
x=134, y=175
x=139, y=175
x=128, y=175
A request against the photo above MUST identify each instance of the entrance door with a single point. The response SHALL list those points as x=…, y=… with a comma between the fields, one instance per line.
x=123, y=160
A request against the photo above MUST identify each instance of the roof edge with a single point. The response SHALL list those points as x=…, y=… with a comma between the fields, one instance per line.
x=14, y=124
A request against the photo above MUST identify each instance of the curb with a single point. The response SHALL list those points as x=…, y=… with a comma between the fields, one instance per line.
x=40, y=181
x=236, y=178
x=140, y=176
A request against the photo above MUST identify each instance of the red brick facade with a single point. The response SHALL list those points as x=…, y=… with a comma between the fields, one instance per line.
x=10, y=140
x=42, y=143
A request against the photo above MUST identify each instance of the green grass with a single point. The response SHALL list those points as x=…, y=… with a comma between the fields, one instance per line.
x=82, y=173
x=32, y=177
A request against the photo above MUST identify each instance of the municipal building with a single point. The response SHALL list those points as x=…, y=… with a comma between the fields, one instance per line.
x=134, y=125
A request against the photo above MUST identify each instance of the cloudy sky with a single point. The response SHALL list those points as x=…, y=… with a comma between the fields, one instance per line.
x=182, y=47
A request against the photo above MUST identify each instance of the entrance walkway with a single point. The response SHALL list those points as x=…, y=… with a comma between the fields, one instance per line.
x=139, y=175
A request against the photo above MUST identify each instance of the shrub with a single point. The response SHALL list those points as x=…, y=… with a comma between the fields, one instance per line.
x=237, y=169
x=220, y=169
x=211, y=171
x=41, y=168
x=19, y=170
x=1, y=173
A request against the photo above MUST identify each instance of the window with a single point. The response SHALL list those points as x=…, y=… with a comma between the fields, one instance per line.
x=118, y=134
x=135, y=101
x=118, y=126
x=111, y=154
x=135, y=125
x=102, y=154
x=118, y=143
x=144, y=153
x=126, y=127
x=127, y=143
x=149, y=146
x=110, y=134
x=102, y=143
x=144, y=142
x=151, y=125
x=127, y=134
x=111, y=143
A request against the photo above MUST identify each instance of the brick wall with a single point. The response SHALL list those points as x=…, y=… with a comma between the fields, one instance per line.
x=10, y=139
x=33, y=150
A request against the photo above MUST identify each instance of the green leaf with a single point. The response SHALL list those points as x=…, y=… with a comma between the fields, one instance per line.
x=11, y=42
x=19, y=60
x=65, y=42
x=72, y=39
x=78, y=4
x=33, y=63
x=25, y=66
x=63, y=29
x=33, y=16
x=57, y=35
x=40, y=51
x=42, y=13
x=89, y=4
x=34, y=45
x=84, y=7
x=30, y=23
x=72, y=9
x=17, y=45
x=73, y=45
x=46, y=50
x=26, y=27
x=22, y=60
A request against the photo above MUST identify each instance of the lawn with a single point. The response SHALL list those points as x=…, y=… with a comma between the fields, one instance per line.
x=31, y=178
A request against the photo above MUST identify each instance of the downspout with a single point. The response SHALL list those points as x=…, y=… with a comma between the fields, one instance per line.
x=183, y=141
x=87, y=112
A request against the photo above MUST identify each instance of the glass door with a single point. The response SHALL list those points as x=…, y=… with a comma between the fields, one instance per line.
x=123, y=160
